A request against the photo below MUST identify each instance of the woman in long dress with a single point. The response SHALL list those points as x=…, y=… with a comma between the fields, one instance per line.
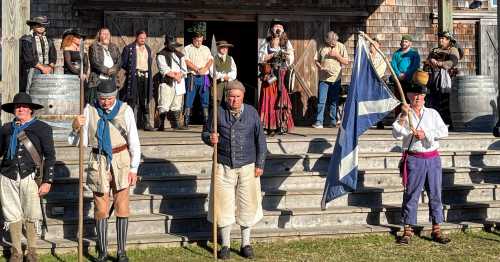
x=275, y=58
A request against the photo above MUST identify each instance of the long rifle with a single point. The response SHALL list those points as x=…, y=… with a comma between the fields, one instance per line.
x=80, y=158
x=214, y=163
x=394, y=76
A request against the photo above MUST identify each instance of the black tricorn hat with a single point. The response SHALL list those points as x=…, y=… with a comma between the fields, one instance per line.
x=171, y=42
x=418, y=89
x=277, y=21
x=38, y=20
x=106, y=88
x=20, y=98
x=73, y=31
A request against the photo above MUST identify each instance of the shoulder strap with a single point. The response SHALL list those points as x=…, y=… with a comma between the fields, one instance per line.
x=120, y=129
x=23, y=138
x=418, y=124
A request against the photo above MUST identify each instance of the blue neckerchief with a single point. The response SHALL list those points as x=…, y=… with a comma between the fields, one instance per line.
x=16, y=129
x=103, y=135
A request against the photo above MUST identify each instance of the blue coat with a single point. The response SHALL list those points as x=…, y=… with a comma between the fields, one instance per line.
x=129, y=92
x=241, y=141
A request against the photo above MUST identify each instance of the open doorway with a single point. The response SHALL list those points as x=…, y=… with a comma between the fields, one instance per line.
x=243, y=35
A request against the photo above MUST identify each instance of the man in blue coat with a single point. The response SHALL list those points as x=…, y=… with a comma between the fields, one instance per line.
x=138, y=89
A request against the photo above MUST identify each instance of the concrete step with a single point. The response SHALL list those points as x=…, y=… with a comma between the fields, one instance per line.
x=374, y=178
x=61, y=246
x=196, y=165
x=64, y=205
x=311, y=218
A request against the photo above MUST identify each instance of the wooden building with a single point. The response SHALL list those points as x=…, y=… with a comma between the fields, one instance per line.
x=245, y=24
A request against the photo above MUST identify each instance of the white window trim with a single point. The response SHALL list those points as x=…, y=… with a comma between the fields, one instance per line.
x=493, y=5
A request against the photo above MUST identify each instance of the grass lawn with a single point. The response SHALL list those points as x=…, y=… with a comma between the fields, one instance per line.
x=471, y=246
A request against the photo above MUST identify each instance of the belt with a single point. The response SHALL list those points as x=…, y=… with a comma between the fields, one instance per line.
x=115, y=150
x=141, y=73
x=425, y=155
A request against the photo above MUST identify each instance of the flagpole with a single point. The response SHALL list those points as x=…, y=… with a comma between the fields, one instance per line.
x=214, y=162
x=80, y=159
x=394, y=76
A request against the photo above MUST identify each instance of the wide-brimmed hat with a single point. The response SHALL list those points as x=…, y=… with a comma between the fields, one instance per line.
x=107, y=88
x=171, y=42
x=73, y=31
x=224, y=43
x=20, y=98
x=277, y=21
x=448, y=35
x=38, y=20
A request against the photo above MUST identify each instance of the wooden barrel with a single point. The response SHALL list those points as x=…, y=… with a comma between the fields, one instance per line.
x=60, y=96
x=473, y=103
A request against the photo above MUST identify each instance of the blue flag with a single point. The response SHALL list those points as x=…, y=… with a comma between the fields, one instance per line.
x=369, y=100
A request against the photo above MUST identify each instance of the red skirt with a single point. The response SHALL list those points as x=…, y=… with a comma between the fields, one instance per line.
x=275, y=108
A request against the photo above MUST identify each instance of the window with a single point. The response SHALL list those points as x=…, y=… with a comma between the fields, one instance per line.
x=493, y=3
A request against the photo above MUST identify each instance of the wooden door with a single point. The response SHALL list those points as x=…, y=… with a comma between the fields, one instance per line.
x=488, y=46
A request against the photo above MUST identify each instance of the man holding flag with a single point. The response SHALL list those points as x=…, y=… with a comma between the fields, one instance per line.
x=422, y=164
x=368, y=101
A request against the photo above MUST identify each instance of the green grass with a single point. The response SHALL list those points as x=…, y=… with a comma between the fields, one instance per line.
x=472, y=246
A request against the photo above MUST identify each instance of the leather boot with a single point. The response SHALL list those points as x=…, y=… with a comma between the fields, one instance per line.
x=187, y=115
x=163, y=117
x=177, y=118
x=15, y=230
x=31, y=256
x=205, y=116
x=147, y=124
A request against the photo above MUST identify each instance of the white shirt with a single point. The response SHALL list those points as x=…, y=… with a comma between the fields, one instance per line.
x=107, y=62
x=263, y=51
x=432, y=124
x=180, y=87
x=232, y=74
x=133, y=142
x=199, y=56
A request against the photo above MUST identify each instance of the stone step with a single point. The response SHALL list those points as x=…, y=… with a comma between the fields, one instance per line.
x=158, y=145
x=379, y=178
x=60, y=246
x=64, y=206
x=292, y=163
x=311, y=218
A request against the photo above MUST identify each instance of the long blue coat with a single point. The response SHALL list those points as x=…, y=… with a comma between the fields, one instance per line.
x=129, y=92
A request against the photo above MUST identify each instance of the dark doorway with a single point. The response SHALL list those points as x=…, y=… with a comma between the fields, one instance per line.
x=243, y=35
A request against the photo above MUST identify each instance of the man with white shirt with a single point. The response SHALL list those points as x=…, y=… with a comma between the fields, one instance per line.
x=172, y=66
x=109, y=127
x=225, y=69
x=199, y=61
x=422, y=164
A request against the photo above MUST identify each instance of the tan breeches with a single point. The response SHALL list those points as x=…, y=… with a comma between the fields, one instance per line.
x=238, y=196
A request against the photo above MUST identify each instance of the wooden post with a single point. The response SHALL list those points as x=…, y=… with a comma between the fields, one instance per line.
x=14, y=16
x=445, y=15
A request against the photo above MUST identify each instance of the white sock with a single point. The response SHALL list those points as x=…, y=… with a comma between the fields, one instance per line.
x=245, y=236
x=226, y=236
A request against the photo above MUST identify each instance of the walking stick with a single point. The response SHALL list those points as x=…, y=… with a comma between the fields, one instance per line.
x=80, y=159
x=394, y=76
x=214, y=167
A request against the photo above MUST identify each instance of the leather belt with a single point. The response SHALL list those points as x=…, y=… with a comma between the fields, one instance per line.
x=115, y=150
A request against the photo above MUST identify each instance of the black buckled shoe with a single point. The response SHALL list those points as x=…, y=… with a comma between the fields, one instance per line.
x=247, y=252
x=122, y=257
x=102, y=258
x=224, y=253
x=439, y=238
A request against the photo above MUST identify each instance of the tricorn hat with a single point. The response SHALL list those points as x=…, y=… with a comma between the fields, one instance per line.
x=448, y=35
x=418, y=89
x=198, y=29
x=73, y=31
x=20, y=98
x=171, y=43
x=224, y=43
x=106, y=88
x=38, y=20
x=277, y=21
